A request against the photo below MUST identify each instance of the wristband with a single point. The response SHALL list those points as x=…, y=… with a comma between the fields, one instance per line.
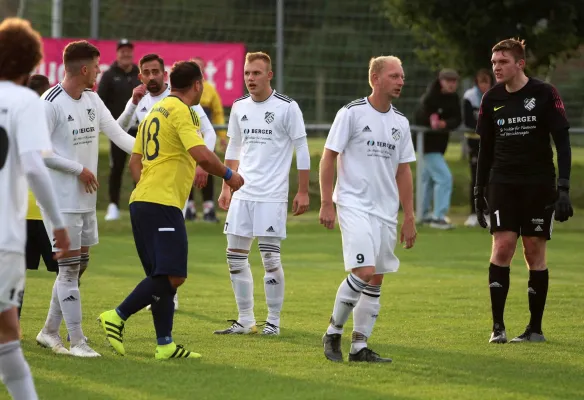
x=228, y=174
x=564, y=184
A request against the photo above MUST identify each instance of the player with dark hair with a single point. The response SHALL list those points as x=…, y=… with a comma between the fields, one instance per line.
x=24, y=140
x=153, y=89
x=76, y=115
x=515, y=161
x=168, y=147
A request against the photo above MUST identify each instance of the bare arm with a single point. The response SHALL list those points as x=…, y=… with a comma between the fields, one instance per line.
x=135, y=166
x=234, y=166
x=326, y=176
x=405, y=185
x=208, y=160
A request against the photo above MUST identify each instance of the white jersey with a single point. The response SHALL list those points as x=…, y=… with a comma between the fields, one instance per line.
x=371, y=145
x=74, y=126
x=145, y=105
x=23, y=128
x=265, y=130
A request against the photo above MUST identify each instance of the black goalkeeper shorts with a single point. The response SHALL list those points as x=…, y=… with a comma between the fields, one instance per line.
x=524, y=209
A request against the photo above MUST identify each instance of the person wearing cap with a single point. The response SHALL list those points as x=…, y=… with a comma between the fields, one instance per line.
x=439, y=110
x=115, y=88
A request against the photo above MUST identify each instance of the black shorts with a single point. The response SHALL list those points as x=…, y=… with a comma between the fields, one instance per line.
x=38, y=245
x=161, y=238
x=524, y=209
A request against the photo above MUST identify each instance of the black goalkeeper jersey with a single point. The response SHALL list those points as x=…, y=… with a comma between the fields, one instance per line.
x=515, y=128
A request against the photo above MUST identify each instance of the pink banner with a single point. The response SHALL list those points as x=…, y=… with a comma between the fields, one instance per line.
x=224, y=61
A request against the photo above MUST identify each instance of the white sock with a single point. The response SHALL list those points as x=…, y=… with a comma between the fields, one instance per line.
x=191, y=206
x=364, y=317
x=55, y=316
x=273, y=280
x=208, y=206
x=242, y=283
x=70, y=298
x=15, y=372
x=347, y=297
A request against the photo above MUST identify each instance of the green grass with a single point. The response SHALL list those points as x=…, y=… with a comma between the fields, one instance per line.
x=434, y=322
x=459, y=167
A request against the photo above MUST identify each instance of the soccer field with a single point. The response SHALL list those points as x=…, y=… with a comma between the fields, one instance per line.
x=434, y=322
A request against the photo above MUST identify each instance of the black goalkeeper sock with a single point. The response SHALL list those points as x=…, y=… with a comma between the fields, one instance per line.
x=499, y=287
x=537, y=294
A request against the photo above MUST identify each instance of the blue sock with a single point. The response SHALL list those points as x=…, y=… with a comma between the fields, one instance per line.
x=163, y=310
x=141, y=296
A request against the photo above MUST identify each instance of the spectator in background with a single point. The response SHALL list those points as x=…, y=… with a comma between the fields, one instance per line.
x=439, y=110
x=213, y=106
x=470, y=109
x=115, y=88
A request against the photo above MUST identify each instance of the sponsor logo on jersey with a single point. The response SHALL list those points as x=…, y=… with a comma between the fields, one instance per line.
x=529, y=103
x=269, y=117
x=70, y=118
x=244, y=118
x=497, y=108
x=366, y=129
x=144, y=109
x=395, y=133
x=381, y=144
x=83, y=130
x=501, y=122
x=91, y=114
x=247, y=131
x=518, y=120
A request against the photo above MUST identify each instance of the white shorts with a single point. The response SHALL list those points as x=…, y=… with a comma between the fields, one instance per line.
x=82, y=229
x=255, y=219
x=367, y=241
x=12, y=276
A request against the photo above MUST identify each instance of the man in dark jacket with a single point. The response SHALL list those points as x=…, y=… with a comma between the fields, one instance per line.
x=115, y=88
x=439, y=110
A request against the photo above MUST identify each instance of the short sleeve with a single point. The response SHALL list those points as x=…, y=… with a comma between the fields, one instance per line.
x=188, y=127
x=51, y=112
x=138, y=144
x=233, y=126
x=555, y=111
x=31, y=130
x=407, y=153
x=340, y=131
x=295, y=122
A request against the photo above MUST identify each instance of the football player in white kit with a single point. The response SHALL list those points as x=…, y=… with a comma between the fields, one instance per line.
x=265, y=127
x=152, y=90
x=373, y=144
x=76, y=115
x=24, y=138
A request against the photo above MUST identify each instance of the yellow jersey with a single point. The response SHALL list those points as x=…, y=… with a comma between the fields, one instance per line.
x=211, y=103
x=34, y=212
x=164, y=137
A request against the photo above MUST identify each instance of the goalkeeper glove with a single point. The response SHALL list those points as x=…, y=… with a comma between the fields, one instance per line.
x=481, y=205
x=563, y=207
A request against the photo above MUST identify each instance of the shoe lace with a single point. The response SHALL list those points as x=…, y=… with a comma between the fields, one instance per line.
x=268, y=326
x=234, y=323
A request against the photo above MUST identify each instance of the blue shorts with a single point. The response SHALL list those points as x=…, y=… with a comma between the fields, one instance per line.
x=161, y=238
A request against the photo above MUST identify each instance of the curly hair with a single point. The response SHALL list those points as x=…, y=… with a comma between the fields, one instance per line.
x=21, y=48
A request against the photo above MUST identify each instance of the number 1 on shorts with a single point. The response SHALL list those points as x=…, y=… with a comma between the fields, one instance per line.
x=498, y=219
